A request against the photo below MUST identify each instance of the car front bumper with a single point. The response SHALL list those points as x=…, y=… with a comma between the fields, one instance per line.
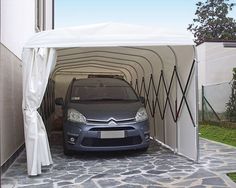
x=80, y=137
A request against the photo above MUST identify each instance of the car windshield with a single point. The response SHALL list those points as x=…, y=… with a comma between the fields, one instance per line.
x=102, y=93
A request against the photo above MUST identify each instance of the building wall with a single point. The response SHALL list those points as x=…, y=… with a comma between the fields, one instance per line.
x=201, y=54
x=215, y=63
x=12, y=133
x=17, y=23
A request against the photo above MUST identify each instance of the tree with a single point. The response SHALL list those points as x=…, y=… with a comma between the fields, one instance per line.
x=231, y=105
x=212, y=22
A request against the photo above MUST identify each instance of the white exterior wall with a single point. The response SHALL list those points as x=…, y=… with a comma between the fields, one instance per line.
x=201, y=53
x=215, y=63
x=17, y=23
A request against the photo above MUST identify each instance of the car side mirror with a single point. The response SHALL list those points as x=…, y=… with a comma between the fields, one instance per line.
x=142, y=99
x=59, y=101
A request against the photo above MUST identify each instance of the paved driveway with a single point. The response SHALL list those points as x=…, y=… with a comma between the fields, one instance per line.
x=158, y=167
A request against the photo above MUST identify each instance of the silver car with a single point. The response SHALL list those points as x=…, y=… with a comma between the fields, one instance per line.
x=103, y=114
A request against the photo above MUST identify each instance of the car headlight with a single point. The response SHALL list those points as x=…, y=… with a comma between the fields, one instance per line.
x=141, y=115
x=74, y=116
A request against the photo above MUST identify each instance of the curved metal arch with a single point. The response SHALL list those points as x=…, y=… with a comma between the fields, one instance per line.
x=78, y=63
x=98, y=66
x=105, y=51
x=150, y=50
x=103, y=61
x=61, y=72
x=176, y=59
x=118, y=71
x=109, y=58
x=86, y=73
x=175, y=56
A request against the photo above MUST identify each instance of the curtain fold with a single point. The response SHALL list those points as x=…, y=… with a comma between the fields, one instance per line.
x=37, y=66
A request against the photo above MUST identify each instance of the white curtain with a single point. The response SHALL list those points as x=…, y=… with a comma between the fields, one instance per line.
x=37, y=66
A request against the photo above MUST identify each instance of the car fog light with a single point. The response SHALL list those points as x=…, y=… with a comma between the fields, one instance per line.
x=72, y=139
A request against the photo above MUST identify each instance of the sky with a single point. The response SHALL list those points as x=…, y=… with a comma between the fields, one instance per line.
x=174, y=15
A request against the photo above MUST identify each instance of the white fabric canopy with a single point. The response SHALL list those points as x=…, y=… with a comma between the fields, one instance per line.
x=107, y=34
x=38, y=63
x=162, y=52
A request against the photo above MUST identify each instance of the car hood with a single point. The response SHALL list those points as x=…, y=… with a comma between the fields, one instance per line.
x=106, y=110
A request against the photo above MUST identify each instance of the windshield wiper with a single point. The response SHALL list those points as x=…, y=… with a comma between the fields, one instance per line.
x=107, y=99
x=104, y=99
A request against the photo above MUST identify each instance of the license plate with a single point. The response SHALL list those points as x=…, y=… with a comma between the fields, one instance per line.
x=112, y=134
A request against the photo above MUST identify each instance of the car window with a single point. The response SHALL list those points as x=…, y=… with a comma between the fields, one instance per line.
x=88, y=93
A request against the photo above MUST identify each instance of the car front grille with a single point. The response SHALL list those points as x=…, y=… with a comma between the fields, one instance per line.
x=110, y=128
x=97, y=142
x=121, y=121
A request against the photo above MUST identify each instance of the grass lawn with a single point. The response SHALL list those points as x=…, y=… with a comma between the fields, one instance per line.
x=219, y=134
x=232, y=176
